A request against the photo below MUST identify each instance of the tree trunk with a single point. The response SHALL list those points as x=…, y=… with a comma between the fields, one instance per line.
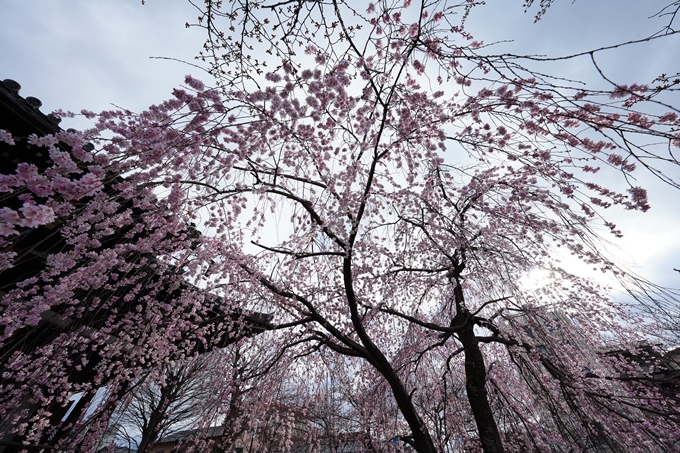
x=475, y=384
x=422, y=440
x=475, y=370
x=150, y=433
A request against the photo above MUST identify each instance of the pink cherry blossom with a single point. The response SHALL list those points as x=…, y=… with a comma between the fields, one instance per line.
x=7, y=229
x=6, y=137
x=36, y=215
x=9, y=216
x=6, y=259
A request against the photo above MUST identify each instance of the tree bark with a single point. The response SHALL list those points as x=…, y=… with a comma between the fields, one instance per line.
x=475, y=369
x=475, y=385
x=422, y=440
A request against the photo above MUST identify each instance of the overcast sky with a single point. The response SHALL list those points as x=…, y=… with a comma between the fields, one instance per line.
x=92, y=54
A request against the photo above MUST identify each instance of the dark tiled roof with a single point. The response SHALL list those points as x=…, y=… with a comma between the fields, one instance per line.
x=22, y=117
x=213, y=431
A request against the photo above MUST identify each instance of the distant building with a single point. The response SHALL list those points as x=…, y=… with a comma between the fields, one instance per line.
x=250, y=442
x=652, y=367
x=554, y=338
x=179, y=441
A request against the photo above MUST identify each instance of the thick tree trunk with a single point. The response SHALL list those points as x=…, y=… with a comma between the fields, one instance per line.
x=475, y=370
x=475, y=384
x=422, y=440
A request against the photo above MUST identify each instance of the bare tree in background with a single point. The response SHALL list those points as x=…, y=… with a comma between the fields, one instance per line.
x=164, y=400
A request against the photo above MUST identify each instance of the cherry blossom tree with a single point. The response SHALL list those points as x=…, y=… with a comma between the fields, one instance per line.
x=380, y=182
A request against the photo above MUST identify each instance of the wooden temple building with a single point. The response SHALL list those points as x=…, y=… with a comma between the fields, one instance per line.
x=22, y=117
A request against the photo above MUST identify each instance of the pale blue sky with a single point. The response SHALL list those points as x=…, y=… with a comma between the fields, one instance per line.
x=89, y=54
